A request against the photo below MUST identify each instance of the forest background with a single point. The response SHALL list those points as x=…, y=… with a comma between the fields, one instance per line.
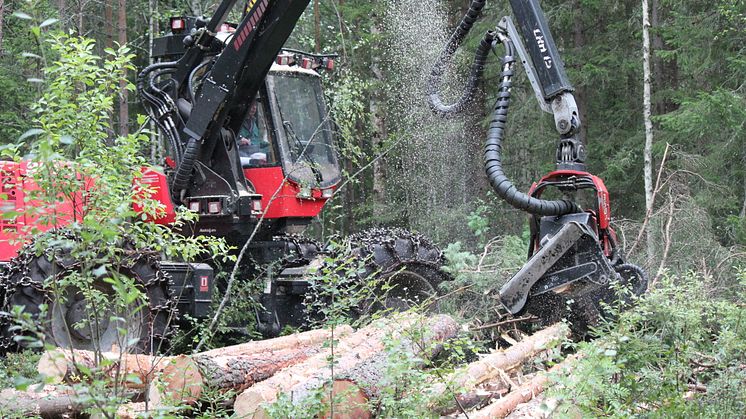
x=406, y=167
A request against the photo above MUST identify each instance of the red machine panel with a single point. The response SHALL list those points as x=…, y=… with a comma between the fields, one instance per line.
x=155, y=186
x=24, y=216
x=286, y=203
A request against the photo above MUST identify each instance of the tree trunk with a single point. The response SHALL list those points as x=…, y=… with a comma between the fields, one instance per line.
x=61, y=6
x=47, y=403
x=155, y=152
x=378, y=117
x=648, y=149
x=131, y=370
x=581, y=97
x=361, y=348
x=2, y=16
x=109, y=18
x=185, y=379
x=81, y=13
x=63, y=365
x=316, y=26
x=491, y=366
x=123, y=92
x=310, y=338
x=354, y=388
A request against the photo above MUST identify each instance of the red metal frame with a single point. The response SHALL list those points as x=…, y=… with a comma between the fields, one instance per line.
x=267, y=180
x=16, y=188
x=602, y=214
x=286, y=203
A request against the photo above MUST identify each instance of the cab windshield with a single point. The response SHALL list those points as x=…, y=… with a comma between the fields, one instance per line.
x=308, y=152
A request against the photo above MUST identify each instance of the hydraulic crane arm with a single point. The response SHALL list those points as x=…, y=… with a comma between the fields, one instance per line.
x=573, y=256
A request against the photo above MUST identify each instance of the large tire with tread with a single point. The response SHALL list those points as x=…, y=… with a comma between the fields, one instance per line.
x=28, y=283
x=406, y=265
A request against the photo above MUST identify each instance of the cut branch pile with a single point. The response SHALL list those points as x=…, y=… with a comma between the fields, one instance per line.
x=343, y=370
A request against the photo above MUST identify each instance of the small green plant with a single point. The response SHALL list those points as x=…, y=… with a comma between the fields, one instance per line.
x=678, y=353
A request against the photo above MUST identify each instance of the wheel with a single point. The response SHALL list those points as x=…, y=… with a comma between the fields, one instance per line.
x=634, y=277
x=401, y=268
x=87, y=318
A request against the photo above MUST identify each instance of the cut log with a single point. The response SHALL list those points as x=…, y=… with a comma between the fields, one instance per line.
x=504, y=406
x=132, y=370
x=136, y=371
x=358, y=353
x=184, y=379
x=295, y=341
x=47, y=403
x=490, y=367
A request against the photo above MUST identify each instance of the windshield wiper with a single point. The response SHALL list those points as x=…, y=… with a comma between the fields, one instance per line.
x=299, y=143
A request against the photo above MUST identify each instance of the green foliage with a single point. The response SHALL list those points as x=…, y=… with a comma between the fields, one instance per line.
x=18, y=369
x=478, y=276
x=653, y=358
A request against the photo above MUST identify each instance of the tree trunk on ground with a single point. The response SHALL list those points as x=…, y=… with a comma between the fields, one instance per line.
x=63, y=365
x=124, y=114
x=361, y=348
x=493, y=365
x=184, y=380
x=648, y=149
x=503, y=406
x=48, y=403
x=354, y=388
x=295, y=341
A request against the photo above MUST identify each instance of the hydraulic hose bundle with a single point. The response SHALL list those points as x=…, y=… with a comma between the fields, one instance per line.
x=493, y=147
x=477, y=68
x=493, y=150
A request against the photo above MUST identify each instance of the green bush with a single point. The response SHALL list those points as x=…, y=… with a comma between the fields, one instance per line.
x=679, y=353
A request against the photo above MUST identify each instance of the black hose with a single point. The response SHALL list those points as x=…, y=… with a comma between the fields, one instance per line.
x=184, y=170
x=190, y=80
x=493, y=151
x=477, y=67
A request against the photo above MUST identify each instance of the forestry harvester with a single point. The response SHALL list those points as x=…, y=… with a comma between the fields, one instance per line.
x=250, y=149
x=574, y=257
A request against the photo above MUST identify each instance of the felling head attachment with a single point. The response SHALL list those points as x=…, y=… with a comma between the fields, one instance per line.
x=570, y=262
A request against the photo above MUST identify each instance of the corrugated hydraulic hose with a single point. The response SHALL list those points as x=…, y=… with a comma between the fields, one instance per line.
x=493, y=151
x=184, y=170
x=477, y=68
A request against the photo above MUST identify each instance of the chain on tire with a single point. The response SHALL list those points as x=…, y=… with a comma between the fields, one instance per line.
x=408, y=263
x=26, y=283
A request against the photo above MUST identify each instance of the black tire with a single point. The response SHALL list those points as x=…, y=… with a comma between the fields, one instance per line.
x=634, y=277
x=27, y=284
x=405, y=267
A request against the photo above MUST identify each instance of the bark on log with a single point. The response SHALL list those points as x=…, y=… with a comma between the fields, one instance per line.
x=136, y=371
x=295, y=341
x=466, y=379
x=504, y=406
x=183, y=380
x=132, y=370
x=361, y=349
x=48, y=403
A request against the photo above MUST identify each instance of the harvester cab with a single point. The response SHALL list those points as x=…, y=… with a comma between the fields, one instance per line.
x=574, y=260
x=282, y=141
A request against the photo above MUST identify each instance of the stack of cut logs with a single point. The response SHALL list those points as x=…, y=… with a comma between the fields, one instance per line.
x=298, y=367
